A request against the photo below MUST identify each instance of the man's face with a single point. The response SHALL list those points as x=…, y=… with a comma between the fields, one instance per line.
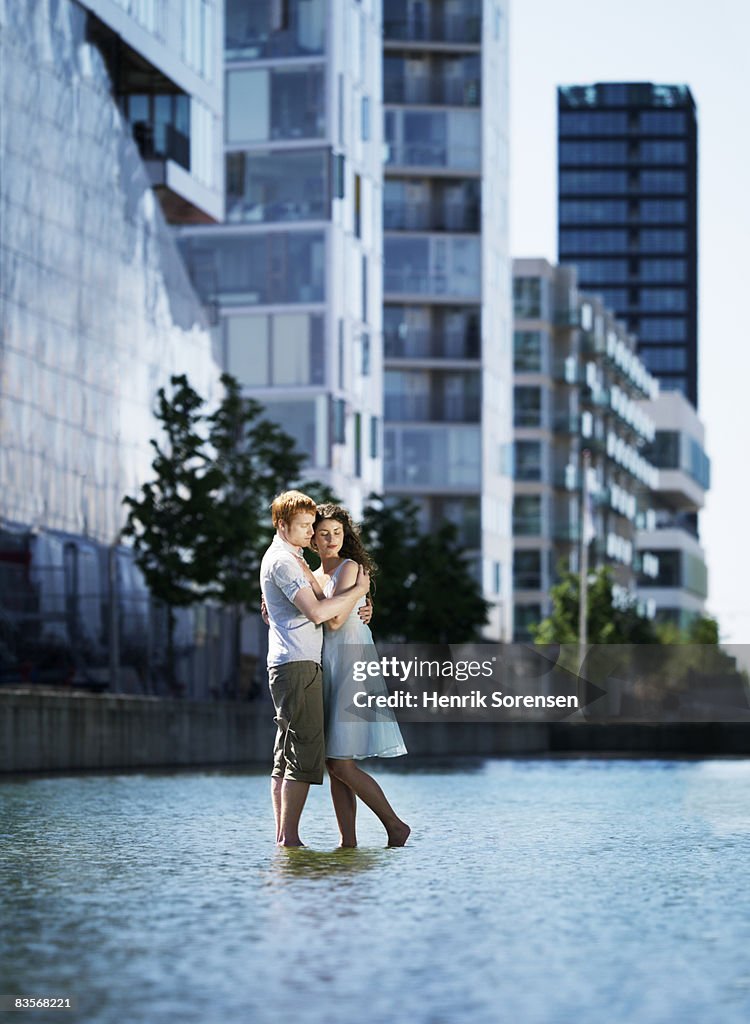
x=298, y=532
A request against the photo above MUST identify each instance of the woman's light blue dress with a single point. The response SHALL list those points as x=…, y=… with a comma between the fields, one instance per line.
x=351, y=732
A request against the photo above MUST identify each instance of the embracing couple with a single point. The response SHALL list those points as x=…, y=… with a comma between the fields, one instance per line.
x=314, y=620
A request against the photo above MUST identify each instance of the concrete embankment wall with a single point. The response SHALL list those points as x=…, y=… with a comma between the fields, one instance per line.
x=52, y=731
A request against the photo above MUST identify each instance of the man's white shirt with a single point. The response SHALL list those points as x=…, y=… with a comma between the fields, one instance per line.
x=292, y=636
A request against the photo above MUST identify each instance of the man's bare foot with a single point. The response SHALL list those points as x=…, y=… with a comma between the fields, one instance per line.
x=398, y=835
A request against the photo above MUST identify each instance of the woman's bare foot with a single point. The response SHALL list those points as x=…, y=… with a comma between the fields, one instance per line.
x=398, y=835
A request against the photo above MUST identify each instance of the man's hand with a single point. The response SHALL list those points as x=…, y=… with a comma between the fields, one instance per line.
x=365, y=612
x=264, y=611
x=362, y=584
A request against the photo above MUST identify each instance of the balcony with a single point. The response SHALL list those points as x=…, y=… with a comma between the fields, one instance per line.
x=434, y=27
x=433, y=90
x=426, y=344
x=434, y=155
x=432, y=408
x=435, y=216
x=416, y=282
x=527, y=581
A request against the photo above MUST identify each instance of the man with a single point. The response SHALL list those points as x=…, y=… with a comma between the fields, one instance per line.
x=295, y=617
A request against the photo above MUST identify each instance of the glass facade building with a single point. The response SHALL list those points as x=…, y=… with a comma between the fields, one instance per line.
x=578, y=385
x=97, y=313
x=627, y=214
x=447, y=303
x=294, y=275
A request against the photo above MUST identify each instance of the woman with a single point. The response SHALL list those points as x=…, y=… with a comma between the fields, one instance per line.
x=348, y=736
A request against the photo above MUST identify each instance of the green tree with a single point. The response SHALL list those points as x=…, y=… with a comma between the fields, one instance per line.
x=200, y=526
x=606, y=622
x=424, y=590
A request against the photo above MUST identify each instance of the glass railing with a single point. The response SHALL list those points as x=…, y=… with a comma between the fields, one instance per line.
x=413, y=282
x=433, y=90
x=426, y=344
x=435, y=216
x=433, y=154
x=432, y=408
x=450, y=28
x=162, y=142
x=527, y=526
x=528, y=418
x=527, y=581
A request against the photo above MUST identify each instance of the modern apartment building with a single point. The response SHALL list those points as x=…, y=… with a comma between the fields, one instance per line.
x=294, y=275
x=447, y=307
x=96, y=308
x=579, y=384
x=679, y=589
x=627, y=214
x=164, y=58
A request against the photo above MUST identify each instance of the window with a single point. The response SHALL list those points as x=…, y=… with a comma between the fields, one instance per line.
x=527, y=515
x=365, y=118
x=282, y=349
x=663, y=271
x=527, y=351
x=358, y=444
x=524, y=616
x=341, y=377
x=662, y=122
x=593, y=153
x=658, y=360
x=527, y=570
x=358, y=205
x=416, y=455
x=527, y=406
x=614, y=298
x=672, y=152
x=527, y=297
x=662, y=181
x=593, y=211
x=528, y=460
x=653, y=240
x=275, y=103
x=572, y=241
x=373, y=437
x=593, y=122
x=365, y=354
x=591, y=272
x=339, y=177
x=594, y=182
x=283, y=267
x=299, y=419
x=663, y=300
x=338, y=433
x=261, y=29
x=668, y=329
x=662, y=211
x=265, y=187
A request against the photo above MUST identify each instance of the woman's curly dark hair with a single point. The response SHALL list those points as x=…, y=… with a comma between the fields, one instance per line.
x=352, y=546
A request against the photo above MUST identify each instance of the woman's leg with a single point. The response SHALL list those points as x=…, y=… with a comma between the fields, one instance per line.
x=367, y=789
x=345, y=806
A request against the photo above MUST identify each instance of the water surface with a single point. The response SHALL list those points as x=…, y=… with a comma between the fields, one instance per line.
x=531, y=891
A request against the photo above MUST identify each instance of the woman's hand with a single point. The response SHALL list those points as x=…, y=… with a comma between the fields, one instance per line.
x=306, y=569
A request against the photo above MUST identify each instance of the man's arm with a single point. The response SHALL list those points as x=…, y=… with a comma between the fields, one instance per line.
x=324, y=610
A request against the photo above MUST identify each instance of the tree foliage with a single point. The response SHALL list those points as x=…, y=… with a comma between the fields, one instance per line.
x=607, y=623
x=424, y=590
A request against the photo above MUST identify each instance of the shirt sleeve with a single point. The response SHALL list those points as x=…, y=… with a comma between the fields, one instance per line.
x=289, y=578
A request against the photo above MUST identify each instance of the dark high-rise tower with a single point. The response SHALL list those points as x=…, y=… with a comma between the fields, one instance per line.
x=627, y=214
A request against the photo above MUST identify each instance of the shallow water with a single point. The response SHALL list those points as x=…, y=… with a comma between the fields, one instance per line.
x=531, y=891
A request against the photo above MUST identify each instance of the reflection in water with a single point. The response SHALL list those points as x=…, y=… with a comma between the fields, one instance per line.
x=325, y=864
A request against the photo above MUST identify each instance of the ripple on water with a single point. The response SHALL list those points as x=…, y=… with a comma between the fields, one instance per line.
x=566, y=891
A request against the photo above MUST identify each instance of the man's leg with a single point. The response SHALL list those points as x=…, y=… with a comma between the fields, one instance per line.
x=293, y=796
x=276, y=801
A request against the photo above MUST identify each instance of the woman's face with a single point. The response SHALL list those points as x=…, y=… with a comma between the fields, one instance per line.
x=329, y=536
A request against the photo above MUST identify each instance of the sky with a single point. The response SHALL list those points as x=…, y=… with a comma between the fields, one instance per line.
x=673, y=42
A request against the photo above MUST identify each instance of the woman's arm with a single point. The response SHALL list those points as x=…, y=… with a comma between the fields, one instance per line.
x=343, y=585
